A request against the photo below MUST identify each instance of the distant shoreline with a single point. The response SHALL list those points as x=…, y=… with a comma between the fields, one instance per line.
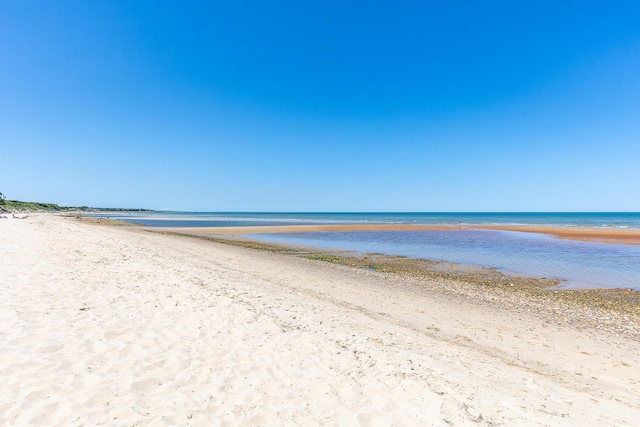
x=22, y=206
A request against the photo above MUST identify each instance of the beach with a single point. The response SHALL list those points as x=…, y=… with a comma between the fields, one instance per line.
x=106, y=325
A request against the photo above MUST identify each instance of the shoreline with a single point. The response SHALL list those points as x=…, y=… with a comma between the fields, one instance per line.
x=118, y=325
x=629, y=237
x=537, y=292
x=492, y=283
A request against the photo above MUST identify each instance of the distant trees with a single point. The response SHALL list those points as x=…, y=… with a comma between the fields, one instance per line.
x=2, y=197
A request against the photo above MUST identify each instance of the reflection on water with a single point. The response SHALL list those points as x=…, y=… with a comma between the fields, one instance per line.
x=581, y=264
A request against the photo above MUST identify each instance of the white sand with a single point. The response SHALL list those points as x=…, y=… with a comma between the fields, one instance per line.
x=113, y=326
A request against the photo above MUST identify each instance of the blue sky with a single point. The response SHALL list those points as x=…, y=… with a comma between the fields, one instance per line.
x=322, y=106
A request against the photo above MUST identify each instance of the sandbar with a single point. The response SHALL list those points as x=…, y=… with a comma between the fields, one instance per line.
x=629, y=237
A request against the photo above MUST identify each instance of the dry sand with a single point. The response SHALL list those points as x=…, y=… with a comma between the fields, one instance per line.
x=117, y=326
x=629, y=237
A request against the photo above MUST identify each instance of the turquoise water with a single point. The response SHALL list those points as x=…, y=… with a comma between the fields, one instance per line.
x=622, y=220
x=579, y=264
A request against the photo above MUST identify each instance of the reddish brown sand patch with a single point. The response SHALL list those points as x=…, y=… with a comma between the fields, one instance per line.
x=629, y=237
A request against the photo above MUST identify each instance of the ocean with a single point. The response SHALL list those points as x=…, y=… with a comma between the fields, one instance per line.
x=621, y=220
x=578, y=264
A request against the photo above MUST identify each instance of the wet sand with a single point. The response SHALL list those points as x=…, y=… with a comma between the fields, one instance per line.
x=629, y=237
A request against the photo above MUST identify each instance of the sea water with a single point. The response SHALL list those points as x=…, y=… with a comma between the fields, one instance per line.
x=579, y=264
x=621, y=220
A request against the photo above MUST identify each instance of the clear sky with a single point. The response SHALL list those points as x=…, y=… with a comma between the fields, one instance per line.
x=322, y=106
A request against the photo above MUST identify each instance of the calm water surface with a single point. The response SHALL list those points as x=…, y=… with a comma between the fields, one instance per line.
x=580, y=264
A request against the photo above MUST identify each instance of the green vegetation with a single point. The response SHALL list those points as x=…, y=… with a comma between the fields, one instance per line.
x=16, y=205
x=20, y=206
